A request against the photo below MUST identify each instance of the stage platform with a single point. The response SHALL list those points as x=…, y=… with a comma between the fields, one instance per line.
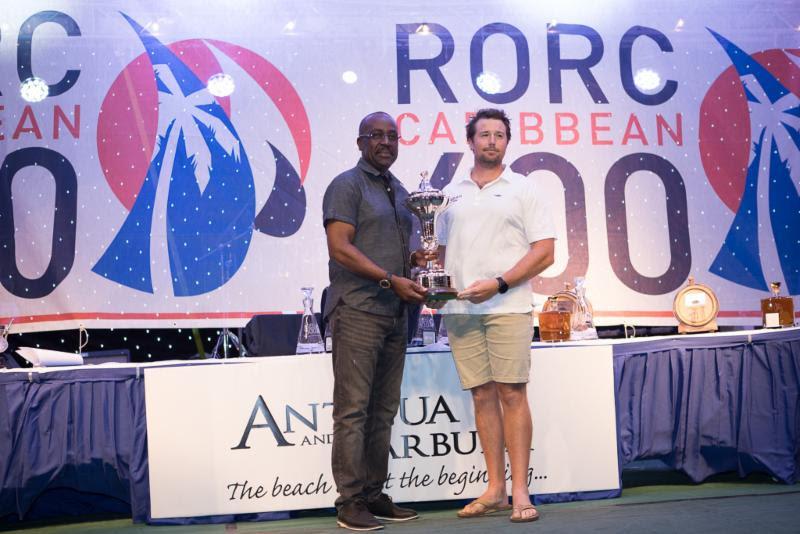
x=73, y=441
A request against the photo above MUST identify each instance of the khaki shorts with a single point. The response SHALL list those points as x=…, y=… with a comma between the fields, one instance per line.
x=491, y=348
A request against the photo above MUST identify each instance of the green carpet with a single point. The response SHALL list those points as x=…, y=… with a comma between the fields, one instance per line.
x=662, y=502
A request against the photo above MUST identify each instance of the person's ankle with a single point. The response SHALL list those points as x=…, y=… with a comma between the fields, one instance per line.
x=495, y=496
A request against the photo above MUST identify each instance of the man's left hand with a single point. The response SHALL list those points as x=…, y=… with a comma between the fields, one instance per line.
x=408, y=290
x=480, y=291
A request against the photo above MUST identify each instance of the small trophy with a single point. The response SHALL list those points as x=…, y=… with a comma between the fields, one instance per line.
x=426, y=202
x=309, y=340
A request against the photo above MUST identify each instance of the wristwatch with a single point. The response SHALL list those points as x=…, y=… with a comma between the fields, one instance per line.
x=502, y=285
x=386, y=282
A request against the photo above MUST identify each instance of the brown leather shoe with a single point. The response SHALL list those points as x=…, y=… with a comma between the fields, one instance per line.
x=354, y=515
x=384, y=508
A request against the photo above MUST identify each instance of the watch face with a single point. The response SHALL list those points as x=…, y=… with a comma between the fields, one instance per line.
x=385, y=283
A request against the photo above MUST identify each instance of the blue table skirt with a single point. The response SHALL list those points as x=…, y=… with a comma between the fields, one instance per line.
x=713, y=404
x=75, y=442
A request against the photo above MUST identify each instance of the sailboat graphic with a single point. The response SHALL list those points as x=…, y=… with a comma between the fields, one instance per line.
x=740, y=257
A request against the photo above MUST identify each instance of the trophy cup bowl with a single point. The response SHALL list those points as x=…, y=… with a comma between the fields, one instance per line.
x=426, y=202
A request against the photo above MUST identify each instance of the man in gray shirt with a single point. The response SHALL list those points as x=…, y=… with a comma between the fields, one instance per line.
x=368, y=229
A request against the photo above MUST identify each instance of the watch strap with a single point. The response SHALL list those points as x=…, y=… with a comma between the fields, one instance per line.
x=386, y=281
x=502, y=285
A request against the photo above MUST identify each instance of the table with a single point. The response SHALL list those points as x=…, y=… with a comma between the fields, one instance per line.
x=73, y=440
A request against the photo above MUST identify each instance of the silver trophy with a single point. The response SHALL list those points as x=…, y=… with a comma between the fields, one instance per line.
x=309, y=340
x=426, y=202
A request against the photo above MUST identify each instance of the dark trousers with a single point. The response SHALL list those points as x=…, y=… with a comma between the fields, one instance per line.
x=368, y=357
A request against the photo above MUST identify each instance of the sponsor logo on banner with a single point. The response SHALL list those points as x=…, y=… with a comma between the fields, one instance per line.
x=413, y=412
x=749, y=132
x=131, y=194
x=158, y=126
x=589, y=124
x=160, y=99
x=268, y=445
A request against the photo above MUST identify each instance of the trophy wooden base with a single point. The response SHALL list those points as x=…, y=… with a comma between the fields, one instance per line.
x=442, y=293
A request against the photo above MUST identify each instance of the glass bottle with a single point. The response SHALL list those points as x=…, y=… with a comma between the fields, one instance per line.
x=554, y=321
x=309, y=340
x=583, y=322
x=777, y=311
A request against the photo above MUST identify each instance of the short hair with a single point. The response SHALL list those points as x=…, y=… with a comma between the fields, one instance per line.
x=488, y=113
x=362, y=126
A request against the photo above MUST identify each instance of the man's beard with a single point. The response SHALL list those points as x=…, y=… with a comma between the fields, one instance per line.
x=489, y=160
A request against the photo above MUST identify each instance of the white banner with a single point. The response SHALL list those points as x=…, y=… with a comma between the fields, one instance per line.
x=256, y=436
x=666, y=134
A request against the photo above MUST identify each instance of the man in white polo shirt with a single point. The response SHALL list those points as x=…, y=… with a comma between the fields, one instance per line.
x=494, y=239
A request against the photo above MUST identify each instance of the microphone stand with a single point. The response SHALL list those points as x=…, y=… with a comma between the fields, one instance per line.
x=226, y=337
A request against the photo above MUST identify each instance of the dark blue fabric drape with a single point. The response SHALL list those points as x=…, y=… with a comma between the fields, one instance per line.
x=70, y=433
x=75, y=442
x=708, y=405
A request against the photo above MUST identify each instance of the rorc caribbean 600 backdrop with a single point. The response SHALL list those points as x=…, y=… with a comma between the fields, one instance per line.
x=132, y=193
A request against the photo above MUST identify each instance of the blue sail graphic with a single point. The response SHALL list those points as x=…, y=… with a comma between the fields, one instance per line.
x=208, y=232
x=739, y=260
x=785, y=218
x=127, y=259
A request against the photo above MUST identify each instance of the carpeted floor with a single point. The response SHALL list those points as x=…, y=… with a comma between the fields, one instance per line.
x=662, y=503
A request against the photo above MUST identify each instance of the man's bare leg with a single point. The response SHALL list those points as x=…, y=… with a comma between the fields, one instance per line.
x=489, y=421
x=518, y=431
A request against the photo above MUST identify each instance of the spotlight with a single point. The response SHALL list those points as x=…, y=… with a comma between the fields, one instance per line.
x=646, y=79
x=34, y=89
x=221, y=85
x=349, y=77
x=488, y=82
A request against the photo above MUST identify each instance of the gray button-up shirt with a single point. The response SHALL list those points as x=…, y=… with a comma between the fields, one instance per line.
x=358, y=197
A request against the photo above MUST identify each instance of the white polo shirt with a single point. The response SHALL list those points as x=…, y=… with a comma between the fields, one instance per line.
x=487, y=231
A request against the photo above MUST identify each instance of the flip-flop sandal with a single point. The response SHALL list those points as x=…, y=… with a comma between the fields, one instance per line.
x=522, y=518
x=482, y=508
